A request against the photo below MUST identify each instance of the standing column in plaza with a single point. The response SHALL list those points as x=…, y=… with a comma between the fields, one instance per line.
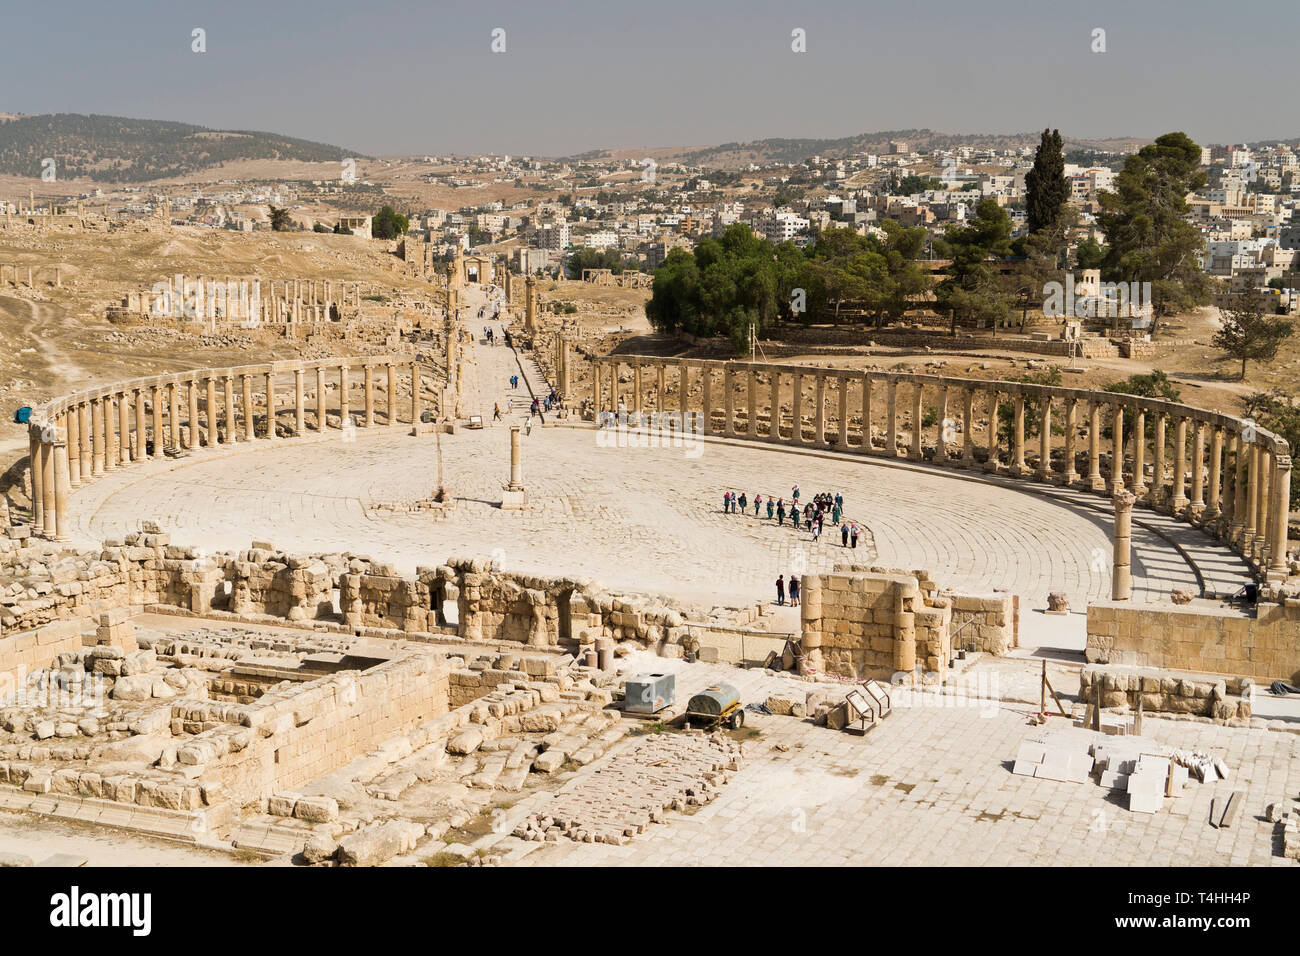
x=270, y=405
x=1018, y=467
x=345, y=411
x=1140, y=453
x=1095, y=481
x=1277, y=563
x=299, y=411
x=1212, y=509
x=796, y=410
x=1179, y=501
x=1157, y=496
x=110, y=434
x=891, y=412
x=866, y=446
x=1068, y=473
x=566, y=380
x=968, y=428
x=210, y=410
x=97, y=434
x=637, y=400
x=85, y=426
x=728, y=402
x=774, y=415
x=74, y=446
x=415, y=394
x=34, y=452
x=596, y=397
x=515, y=497
x=918, y=420
x=49, y=506
x=247, y=383
x=62, y=519
x=1262, y=502
x=842, y=388
x=228, y=406
x=369, y=386
x=1249, y=515
x=192, y=432
x=1197, y=506
x=991, y=465
x=141, y=429
x=391, y=390
x=819, y=419
x=1121, y=588
x=1045, y=439
x=174, y=414
x=1117, y=450
x=124, y=428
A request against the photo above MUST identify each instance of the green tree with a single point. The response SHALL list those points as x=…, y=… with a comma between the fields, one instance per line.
x=280, y=219
x=1248, y=333
x=388, y=223
x=1153, y=385
x=911, y=184
x=1145, y=222
x=973, y=288
x=1089, y=254
x=1046, y=191
x=610, y=259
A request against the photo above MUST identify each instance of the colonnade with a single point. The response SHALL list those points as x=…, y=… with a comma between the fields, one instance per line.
x=1222, y=473
x=80, y=438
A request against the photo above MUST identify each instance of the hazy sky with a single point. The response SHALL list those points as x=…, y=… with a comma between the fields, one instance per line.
x=420, y=77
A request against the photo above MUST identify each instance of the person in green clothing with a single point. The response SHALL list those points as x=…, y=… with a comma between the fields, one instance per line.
x=780, y=512
x=839, y=501
x=794, y=516
x=770, y=508
x=744, y=502
x=835, y=515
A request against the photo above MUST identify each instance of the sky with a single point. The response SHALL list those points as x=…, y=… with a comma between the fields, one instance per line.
x=391, y=78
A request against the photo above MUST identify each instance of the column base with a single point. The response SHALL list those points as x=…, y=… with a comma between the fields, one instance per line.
x=514, y=500
x=1096, y=483
x=992, y=466
x=1068, y=480
x=1179, y=505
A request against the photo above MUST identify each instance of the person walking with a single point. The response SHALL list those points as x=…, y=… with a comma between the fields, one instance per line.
x=726, y=502
x=794, y=493
x=835, y=515
x=794, y=516
x=770, y=508
x=844, y=534
x=496, y=412
x=839, y=501
x=758, y=500
x=780, y=588
x=780, y=512
x=817, y=528
x=794, y=591
x=744, y=502
x=853, y=535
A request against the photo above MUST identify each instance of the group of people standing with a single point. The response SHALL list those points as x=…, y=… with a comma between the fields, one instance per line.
x=811, y=517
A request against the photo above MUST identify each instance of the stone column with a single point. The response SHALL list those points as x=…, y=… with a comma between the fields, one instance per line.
x=228, y=405
x=1121, y=573
x=1117, y=450
x=728, y=402
x=192, y=439
x=1277, y=563
x=566, y=380
x=74, y=446
x=1262, y=502
x=110, y=434
x=1197, y=506
x=391, y=390
x=1140, y=453
x=796, y=410
x=322, y=413
x=774, y=416
x=249, y=432
x=684, y=392
x=1018, y=467
x=62, y=519
x=1069, y=475
x=35, y=450
x=45, y=455
x=636, y=388
x=123, y=428
x=516, y=462
x=210, y=416
x=891, y=411
x=345, y=410
x=613, y=388
x=1212, y=510
x=842, y=386
x=1179, y=501
x=370, y=395
x=595, y=388
x=866, y=447
x=918, y=417
x=415, y=394
x=1095, y=481
x=141, y=430
x=706, y=389
x=991, y=466
x=968, y=428
x=270, y=405
x=819, y=419
x=1249, y=516
x=1157, y=496
x=1045, y=439
x=174, y=414
x=97, y=434
x=299, y=411
x=85, y=426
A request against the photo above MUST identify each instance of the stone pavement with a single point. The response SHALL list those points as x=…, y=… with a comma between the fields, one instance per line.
x=934, y=786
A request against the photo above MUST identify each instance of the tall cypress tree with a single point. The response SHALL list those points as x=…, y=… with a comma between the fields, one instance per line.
x=1045, y=188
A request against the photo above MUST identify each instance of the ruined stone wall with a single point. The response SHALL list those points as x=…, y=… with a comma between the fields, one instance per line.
x=378, y=597
x=1223, y=699
x=297, y=733
x=871, y=624
x=23, y=652
x=265, y=582
x=1215, y=640
x=986, y=622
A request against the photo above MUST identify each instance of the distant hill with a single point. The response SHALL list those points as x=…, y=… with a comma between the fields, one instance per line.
x=114, y=149
x=922, y=140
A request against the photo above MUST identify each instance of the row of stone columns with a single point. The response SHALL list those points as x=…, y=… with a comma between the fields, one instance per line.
x=85, y=438
x=1224, y=477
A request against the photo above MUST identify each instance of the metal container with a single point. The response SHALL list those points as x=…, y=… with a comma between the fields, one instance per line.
x=650, y=693
x=713, y=701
